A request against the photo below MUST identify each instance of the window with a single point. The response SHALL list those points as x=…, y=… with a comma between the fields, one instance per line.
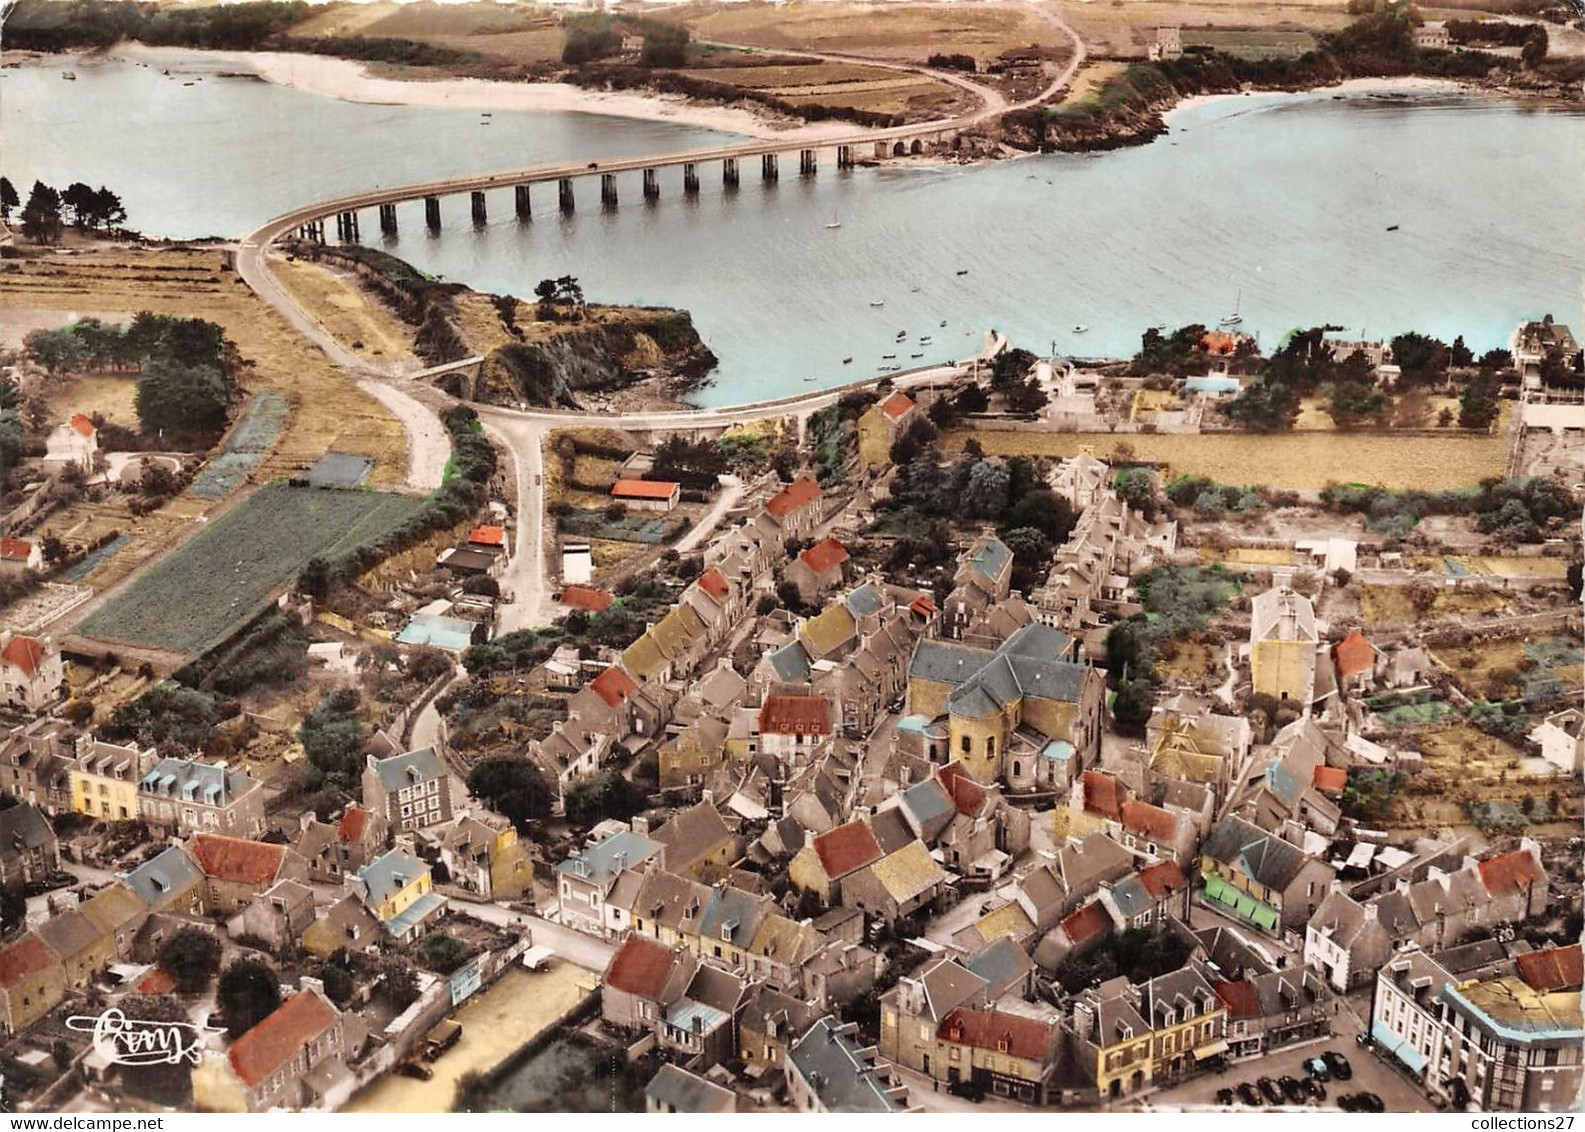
x=963, y=744
x=1018, y=769
x=990, y=745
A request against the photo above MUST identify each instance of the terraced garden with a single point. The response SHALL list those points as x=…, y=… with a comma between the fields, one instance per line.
x=203, y=591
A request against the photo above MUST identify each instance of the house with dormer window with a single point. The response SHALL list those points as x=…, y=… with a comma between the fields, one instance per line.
x=410, y=791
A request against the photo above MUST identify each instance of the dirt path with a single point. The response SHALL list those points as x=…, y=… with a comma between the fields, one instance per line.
x=428, y=443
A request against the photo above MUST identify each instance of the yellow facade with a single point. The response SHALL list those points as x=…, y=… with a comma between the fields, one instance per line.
x=807, y=873
x=1120, y=1061
x=927, y=697
x=403, y=898
x=1178, y=1040
x=875, y=438
x=1282, y=669
x=100, y=796
x=1210, y=868
x=511, y=870
x=216, y=1086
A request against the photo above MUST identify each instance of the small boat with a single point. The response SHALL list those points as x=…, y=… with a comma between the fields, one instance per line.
x=69, y=76
x=811, y=377
x=963, y=271
x=914, y=290
x=916, y=355
x=187, y=84
x=877, y=302
x=887, y=357
x=847, y=361
x=484, y=114
x=943, y=322
x=1081, y=330
x=924, y=340
x=835, y=222
x=1235, y=318
x=1392, y=227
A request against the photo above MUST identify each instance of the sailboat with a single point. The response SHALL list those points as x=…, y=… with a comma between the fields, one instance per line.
x=835, y=221
x=1235, y=318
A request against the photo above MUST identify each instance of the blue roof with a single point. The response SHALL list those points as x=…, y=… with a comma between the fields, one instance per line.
x=172, y=871
x=1131, y=897
x=791, y=662
x=682, y=1013
x=1284, y=783
x=187, y=780
x=449, y=633
x=415, y=913
x=734, y=907
x=913, y=723
x=926, y=801
x=1058, y=750
x=599, y=863
x=864, y=601
x=990, y=557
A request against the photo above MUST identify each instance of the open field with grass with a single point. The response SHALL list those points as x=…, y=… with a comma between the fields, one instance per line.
x=1462, y=765
x=199, y=594
x=814, y=83
x=1492, y=667
x=112, y=396
x=1247, y=556
x=1548, y=569
x=523, y=35
x=1188, y=660
x=328, y=411
x=1127, y=29
x=1304, y=461
x=356, y=319
x=1253, y=43
x=1391, y=604
x=902, y=32
x=1420, y=412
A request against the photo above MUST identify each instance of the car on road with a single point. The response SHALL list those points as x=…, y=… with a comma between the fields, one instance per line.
x=1291, y=1089
x=1317, y=1069
x=1338, y=1064
x=1347, y=1103
x=1248, y=1094
x=1316, y=1090
x=593, y=165
x=1369, y=1102
x=1268, y=1089
x=968, y=1090
x=1224, y=1096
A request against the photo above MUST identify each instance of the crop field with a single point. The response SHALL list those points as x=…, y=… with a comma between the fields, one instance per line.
x=201, y=592
x=879, y=89
x=883, y=31
x=1554, y=569
x=1391, y=604
x=1463, y=765
x=1498, y=668
x=1247, y=556
x=356, y=319
x=247, y=445
x=1252, y=43
x=1125, y=30
x=635, y=526
x=1301, y=461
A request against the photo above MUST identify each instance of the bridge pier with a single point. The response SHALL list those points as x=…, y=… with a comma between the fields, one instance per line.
x=564, y=194
x=808, y=162
x=480, y=216
x=314, y=230
x=767, y=167
x=881, y=152
x=690, y=178
x=347, y=227
x=388, y=219
x=729, y=172
x=524, y=210
x=651, y=184
x=844, y=157
x=608, y=189
x=432, y=213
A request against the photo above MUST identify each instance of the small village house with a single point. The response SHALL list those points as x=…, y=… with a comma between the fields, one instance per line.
x=647, y=495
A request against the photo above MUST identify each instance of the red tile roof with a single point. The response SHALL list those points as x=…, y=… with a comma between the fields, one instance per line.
x=593, y=599
x=795, y=715
x=15, y=548
x=714, y=583
x=1330, y=779
x=923, y=606
x=824, y=555
x=1155, y=823
x=1089, y=922
x=1555, y=969
x=897, y=405
x=640, y=967
x=967, y=795
x=157, y=981
x=1510, y=872
x=613, y=686
x=642, y=489
x=1216, y=342
x=1012, y=1034
x=845, y=848
x=793, y=497
x=25, y=653
x=353, y=823
x=237, y=859
x=1353, y=655
x=27, y=956
x=83, y=425
x=1103, y=795
x=1162, y=880
x=1239, y=998
x=484, y=535
x=293, y=1024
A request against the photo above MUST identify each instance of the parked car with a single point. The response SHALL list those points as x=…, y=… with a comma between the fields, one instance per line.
x=968, y=1090
x=1347, y=1103
x=1268, y=1089
x=1248, y=1094
x=1292, y=1089
x=1224, y=1096
x=1338, y=1064
x=415, y=1069
x=1317, y=1069
x=1316, y=1090
x=1370, y=1102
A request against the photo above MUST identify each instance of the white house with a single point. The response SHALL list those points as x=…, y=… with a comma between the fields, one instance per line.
x=31, y=673
x=1561, y=737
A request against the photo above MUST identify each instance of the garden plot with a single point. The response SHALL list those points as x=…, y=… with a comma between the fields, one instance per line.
x=248, y=443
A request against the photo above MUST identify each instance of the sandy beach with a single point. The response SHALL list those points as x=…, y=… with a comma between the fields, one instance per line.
x=350, y=81
x=1405, y=85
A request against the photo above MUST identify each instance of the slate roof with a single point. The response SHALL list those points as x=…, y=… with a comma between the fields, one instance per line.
x=945, y=663
x=397, y=772
x=863, y=601
x=931, y=806
x=605, y=859
x=1257, y=854
x=70, y=934
x=990, y=556
x=1131, y=897
x=1001, y=964
x=732, y=916
x=791, y=662
x=692, y=835
x=640, y=967
x=195, y=781
x=891, y=829
x=22, y=827
x=1282, y=614
x=846, y=848
x=171, y=872
x=389, y=873
x=948, y=985
x=268, y=1046
x=843, y=1077
x=681, y=1091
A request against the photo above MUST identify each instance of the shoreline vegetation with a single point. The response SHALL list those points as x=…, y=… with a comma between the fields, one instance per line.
x=1128, y=107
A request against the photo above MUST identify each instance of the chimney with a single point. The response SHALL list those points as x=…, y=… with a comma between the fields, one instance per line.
x=1369, y=908
x=309, y=983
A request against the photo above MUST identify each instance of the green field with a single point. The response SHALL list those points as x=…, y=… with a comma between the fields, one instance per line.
x=200, y=594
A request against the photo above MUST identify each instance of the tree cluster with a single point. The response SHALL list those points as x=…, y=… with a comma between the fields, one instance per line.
x=332, y=738
x=1178, y=601
x=514, y=788
x=46, y=25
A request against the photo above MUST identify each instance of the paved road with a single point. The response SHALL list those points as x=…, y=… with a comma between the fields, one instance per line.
x=584, y=950
x=731, y=491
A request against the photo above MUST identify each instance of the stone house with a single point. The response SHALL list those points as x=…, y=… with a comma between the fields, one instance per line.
x=1260, y=878
x=32, y=983
x=829, y=1071
x=585, y=880
x=880, y=426
x=796, y=510
x=295, y=1058
x=278, y=918
x=236, y=870
x=1283, y=640
x=337, y=848
x=817, y=569
x=187, y=797
x=29, y=852
x=410, y=791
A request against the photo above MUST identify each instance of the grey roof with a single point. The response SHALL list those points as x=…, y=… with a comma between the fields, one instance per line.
x=891, y=830
x=732, y=916
x=1025, y=665
x=692, y=835
x=22, y=828
x=69, y=933
x=601, y=862
x=930, y=806
x=1230, y=952
x=990, y=557
x=716, y=988
x=1254, y=852
x=1282, y=614
x=949, y=985
x=394, y=771
x=171, y=872
x=192, y=781
x=1094, y=859
x=946, y=663
x=1131, y=897
x=864, y=600
x=791, y=662
x=682, y=1091
x=389, y=873
x=1001, y=964
x=831, y=1061
x=1472, y=956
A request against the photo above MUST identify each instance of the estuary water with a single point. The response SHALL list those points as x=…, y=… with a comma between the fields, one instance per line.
x=1445, y=213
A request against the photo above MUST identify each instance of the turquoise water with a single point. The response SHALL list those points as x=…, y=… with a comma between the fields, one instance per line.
x=1278, y=205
